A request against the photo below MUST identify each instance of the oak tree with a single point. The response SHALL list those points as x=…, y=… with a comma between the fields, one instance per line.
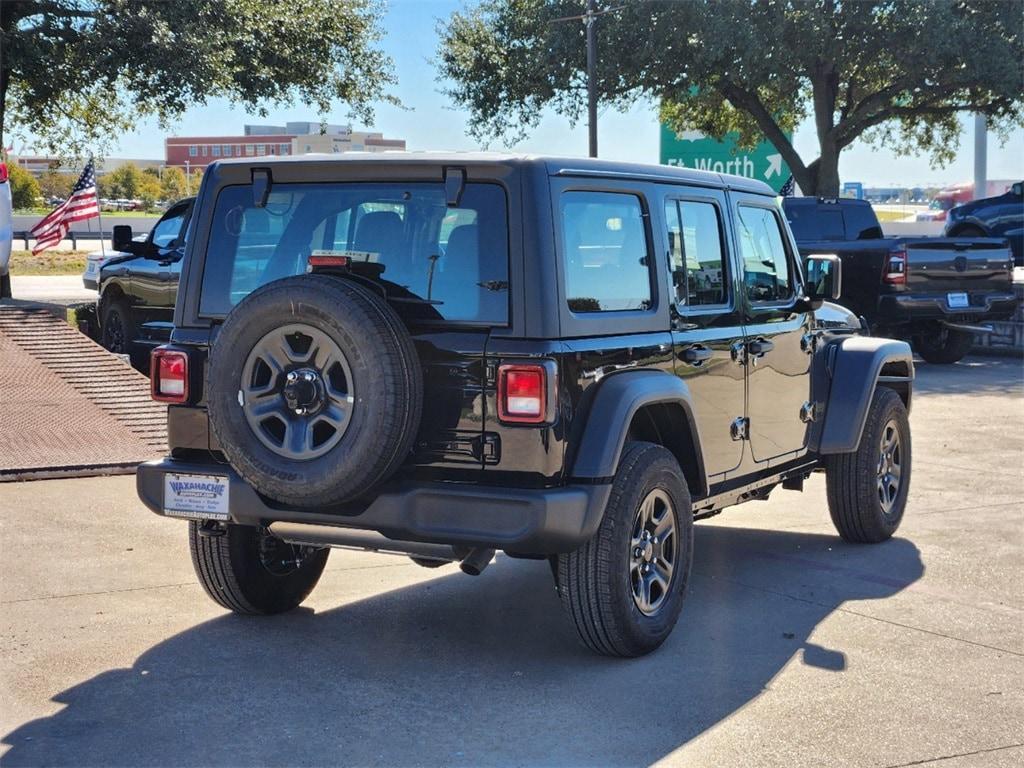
x=75, y=73
x=894, y=73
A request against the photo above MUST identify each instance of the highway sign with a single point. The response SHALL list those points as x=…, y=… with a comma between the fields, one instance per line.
x=692, y=149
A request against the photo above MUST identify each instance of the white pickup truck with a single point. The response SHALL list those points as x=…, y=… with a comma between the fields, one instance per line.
x=6, y=232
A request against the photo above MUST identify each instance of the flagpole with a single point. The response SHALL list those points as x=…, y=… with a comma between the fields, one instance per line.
x=99, y=208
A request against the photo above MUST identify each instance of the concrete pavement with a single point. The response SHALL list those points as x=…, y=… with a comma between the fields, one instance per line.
x=53, y=289
x=794, y=649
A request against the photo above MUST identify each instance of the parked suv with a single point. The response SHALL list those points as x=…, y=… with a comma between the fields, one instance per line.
x=447, y=355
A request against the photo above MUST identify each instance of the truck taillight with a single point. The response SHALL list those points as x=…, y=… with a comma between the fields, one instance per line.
x=168, y=375
x=895, y=270
x=523, y=393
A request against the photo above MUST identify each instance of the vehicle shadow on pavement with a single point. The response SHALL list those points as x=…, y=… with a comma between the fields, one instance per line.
x=972, y=376
x=458, y=670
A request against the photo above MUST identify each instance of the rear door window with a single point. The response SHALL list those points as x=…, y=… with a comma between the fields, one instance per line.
x=696, y=254
x=604, y=241
x=767, y=272
x=441, y=263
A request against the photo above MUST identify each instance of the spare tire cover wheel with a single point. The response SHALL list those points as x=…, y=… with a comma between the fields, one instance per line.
x=315, y=390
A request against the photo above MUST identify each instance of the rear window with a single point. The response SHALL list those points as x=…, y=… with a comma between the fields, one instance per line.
x=446, y=263
x=832, y=222
x=605, y=245
x=816, y=222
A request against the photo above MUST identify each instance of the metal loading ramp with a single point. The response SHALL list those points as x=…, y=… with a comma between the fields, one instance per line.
x=67, y=406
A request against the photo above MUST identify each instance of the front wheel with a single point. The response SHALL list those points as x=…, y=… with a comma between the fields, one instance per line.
x=624, y=589
x=118, y=326
x=867, y=488
x=944, y=345
x=249, y=571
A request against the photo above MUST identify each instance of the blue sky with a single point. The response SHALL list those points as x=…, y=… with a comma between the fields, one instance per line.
x=431, y=122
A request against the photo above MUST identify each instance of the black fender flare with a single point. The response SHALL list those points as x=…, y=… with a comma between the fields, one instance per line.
x=618, y=399
x=856, y=365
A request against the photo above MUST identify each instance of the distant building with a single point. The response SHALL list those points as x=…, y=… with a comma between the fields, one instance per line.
x=355, y=141
x=200, y=151
x=300, y=128
x=37, y=165
x=294, y=138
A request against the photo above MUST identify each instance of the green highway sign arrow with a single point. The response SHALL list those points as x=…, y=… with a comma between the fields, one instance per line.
x=694, y=150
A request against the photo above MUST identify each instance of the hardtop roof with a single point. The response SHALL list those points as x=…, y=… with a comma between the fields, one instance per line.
x=555, y=166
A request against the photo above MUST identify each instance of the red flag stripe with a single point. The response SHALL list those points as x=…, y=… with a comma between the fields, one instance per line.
x=54, y=215
x=81, y=204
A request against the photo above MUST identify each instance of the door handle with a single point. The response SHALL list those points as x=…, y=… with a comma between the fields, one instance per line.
x=760, y=347
x=696, y=355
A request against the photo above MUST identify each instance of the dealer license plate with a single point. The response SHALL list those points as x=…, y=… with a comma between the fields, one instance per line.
x=92, y=268
x=199, y=496
x=957, y=300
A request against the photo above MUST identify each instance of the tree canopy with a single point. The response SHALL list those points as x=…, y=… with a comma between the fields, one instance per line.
x=25, y=191
x=895, y=73
x=76, y=73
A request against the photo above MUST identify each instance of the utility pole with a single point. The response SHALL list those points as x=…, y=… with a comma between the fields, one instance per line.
x=590, y=19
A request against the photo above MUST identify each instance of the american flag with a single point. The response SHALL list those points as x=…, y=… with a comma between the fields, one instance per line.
x=81, y=205
x=789, y=188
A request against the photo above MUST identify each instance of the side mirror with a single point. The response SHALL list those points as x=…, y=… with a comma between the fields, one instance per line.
x=122, y=240
x=824, y=277
x=1018, y=189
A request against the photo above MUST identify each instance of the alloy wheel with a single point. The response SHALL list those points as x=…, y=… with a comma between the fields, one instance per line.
x=890, y=468
x=297, y=392
x=652, y=551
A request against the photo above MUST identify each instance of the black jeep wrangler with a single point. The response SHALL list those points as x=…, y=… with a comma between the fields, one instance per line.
x=447, y=355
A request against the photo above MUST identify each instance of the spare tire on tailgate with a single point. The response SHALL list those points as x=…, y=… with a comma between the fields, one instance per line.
x=314, y=390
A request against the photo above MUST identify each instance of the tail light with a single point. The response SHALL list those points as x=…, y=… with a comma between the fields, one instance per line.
x=3, y=172
x=168, y=375
x=523, y=392
x=895, y=270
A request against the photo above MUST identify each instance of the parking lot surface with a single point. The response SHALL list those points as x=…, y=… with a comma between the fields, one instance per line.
x=793, y=649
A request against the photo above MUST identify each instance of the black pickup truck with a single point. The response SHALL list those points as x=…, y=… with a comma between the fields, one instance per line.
x=937, y=292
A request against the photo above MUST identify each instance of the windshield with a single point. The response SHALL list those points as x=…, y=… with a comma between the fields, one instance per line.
x=445, y=263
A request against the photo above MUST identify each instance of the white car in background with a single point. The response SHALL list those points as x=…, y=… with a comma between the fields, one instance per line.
x=6, y=232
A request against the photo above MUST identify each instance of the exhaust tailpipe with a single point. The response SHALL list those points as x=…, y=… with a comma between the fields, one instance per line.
x=477, y=559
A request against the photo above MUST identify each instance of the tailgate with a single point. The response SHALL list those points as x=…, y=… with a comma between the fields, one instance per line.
x=971, y=265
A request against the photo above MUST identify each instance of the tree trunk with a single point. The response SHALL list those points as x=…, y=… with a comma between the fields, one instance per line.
x=826, y=174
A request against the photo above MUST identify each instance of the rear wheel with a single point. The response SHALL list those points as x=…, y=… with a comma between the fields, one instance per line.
x=942, y=345
x=624, y=589
x=867, y=489
x=246, y=570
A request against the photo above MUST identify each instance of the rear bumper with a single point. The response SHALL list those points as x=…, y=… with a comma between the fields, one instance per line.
x=536, y=521
x=899, y=308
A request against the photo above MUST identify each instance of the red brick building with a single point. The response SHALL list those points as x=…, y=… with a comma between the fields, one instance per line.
x=200, y=151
